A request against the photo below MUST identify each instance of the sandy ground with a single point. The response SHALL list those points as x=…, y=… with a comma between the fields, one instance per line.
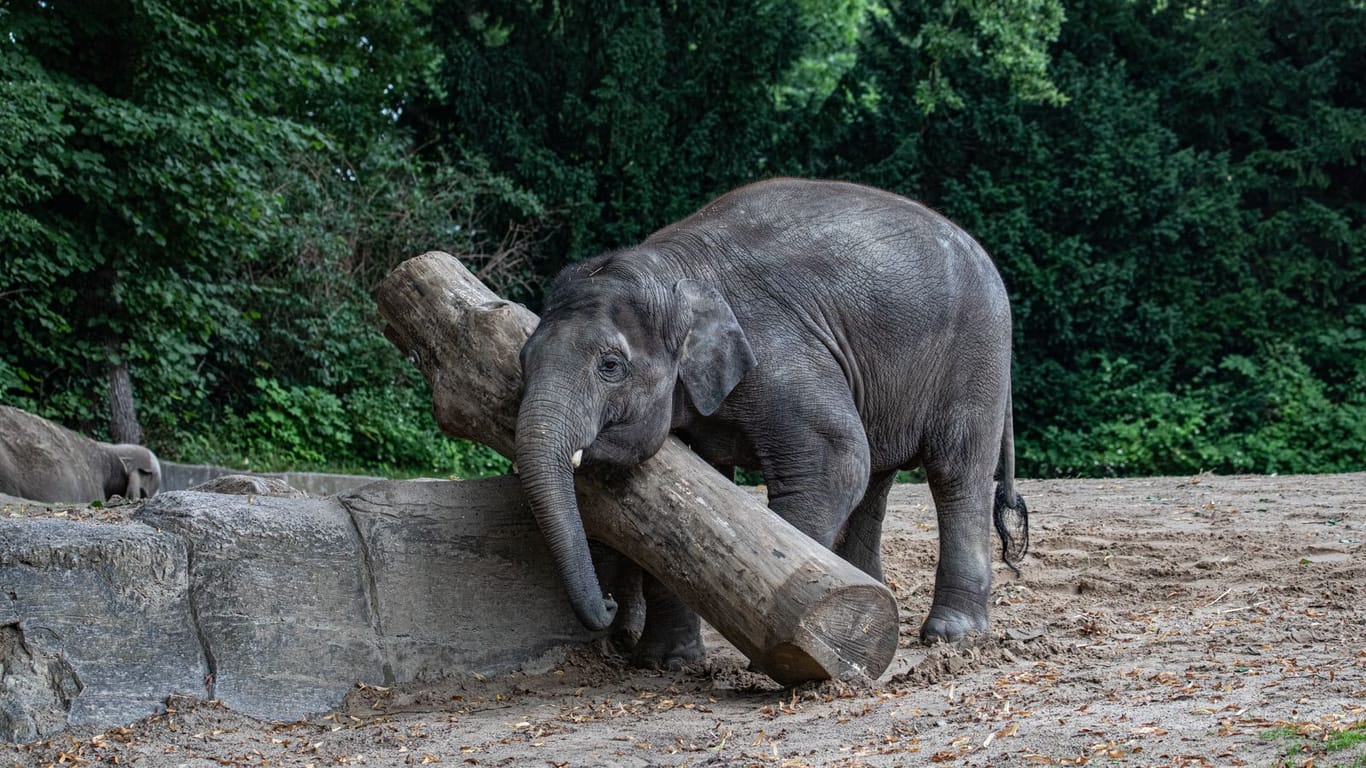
x=1166, y=621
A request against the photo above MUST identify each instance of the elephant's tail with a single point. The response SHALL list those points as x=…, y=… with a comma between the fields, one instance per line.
x=1009, y=511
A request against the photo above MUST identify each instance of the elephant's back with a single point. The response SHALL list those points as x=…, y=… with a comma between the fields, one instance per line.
x=794, y=198
x=866, y=285
x=44, y=461
x=813, y=209
x=838, y=249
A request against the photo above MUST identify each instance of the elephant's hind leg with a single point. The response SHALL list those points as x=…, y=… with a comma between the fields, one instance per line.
x=962, y=582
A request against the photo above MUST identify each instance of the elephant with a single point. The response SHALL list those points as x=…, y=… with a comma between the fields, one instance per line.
x=43, y=461
x=824, y=333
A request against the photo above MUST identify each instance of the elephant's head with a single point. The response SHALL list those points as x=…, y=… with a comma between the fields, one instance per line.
x=138, y=475
x=600, y=376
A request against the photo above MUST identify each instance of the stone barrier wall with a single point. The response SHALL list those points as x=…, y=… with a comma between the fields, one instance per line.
x=182, y=477
x=275, y=606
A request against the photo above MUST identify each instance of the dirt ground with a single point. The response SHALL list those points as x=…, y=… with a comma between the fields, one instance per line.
x=1165, y=621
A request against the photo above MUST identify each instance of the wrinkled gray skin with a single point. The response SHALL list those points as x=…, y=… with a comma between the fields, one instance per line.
x=43, y=461
x=825, y=333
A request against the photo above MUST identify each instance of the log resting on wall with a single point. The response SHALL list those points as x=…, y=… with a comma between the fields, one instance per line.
x=794, y=608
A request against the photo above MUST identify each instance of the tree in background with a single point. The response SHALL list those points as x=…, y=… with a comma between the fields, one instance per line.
x=624, y=116
x=119, y=202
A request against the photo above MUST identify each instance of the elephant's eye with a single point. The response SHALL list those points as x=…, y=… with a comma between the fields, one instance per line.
x=612, y=367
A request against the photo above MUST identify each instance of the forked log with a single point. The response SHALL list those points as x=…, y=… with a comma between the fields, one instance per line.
x=797, y=610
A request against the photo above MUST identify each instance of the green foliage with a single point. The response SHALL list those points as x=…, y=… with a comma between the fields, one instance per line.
x=1280, y=417
x=1017, y=36
x=1183, y=249
x=385, y=430
x=1134, y=425
x=832, y=29
x=1298, y=739
x=1007, y=41
x=1173, y=190
x=210, y=191
x=152, y=193
x=621, y=116
x=1260, y=413
x=296, y=424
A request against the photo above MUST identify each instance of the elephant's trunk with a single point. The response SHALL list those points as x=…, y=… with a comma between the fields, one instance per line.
x=550, y=443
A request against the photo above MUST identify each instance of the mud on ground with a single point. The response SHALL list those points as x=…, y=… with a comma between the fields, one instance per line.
x=1194, y=621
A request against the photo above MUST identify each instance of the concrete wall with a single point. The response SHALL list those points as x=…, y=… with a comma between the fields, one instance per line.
x=274, y=606
x=181, y=477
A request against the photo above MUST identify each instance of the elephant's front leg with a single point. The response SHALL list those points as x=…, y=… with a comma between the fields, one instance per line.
x=816, y=466
x=672, y=636
x=962, y=581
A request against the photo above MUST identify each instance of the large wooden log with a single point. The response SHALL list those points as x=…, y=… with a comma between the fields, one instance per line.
x=794, y=608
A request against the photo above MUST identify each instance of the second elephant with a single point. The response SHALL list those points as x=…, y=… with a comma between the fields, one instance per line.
x=43, y=461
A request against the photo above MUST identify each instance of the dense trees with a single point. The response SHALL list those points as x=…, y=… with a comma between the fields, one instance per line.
x=197, y=198
x=198, y=193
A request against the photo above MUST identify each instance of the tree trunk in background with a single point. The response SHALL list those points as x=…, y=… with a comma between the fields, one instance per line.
x=123, y=413
x=796, y=609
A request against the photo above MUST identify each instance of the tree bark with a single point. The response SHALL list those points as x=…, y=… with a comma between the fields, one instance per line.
x=794, y=608
x=123, y=413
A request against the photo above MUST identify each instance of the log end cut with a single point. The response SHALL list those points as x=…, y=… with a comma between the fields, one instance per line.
x=850, y=633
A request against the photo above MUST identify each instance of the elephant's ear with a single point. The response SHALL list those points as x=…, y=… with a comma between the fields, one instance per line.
x=142, y=484
x=715, y=354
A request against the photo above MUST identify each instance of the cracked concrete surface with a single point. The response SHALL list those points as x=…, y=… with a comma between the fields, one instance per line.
x=86, y=593
x=275, y=606
x=40, y=687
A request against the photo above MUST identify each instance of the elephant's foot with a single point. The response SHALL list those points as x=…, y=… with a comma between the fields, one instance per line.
x=672, y=635
x=947, y=624
x=672, y=653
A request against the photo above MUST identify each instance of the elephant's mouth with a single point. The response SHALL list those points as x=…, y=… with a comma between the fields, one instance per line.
x=623, y=445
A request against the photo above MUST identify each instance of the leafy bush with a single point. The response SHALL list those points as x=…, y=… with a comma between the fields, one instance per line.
x=1131, y=424
x=1260, y=413
x=387, y=431
x=1281, y=418
x=297, y=426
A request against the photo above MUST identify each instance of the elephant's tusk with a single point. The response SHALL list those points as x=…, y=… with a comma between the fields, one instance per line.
x=577, y=458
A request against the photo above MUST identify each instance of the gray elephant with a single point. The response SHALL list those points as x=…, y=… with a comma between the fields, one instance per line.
x=43, y=461
x=825, y=333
